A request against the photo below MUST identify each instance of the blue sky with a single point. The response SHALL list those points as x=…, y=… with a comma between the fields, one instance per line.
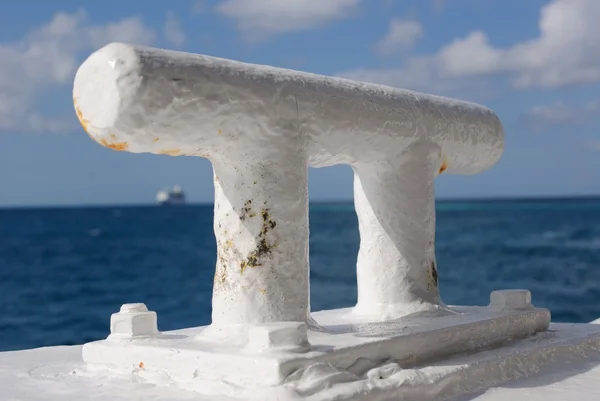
x=536, y=63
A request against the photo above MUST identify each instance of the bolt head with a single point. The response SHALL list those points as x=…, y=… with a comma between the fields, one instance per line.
x=278, y=337
x=511, y=299
x=128, y=308
x=133, y=320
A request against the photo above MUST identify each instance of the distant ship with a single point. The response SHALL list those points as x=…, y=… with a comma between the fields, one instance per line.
x=174, y=196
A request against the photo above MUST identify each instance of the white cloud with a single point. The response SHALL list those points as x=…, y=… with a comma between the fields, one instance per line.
x=421, y=74
x=402, y=34
x=566, y=52
x=173, y=32
x=261, y=19
x=554, y=114
x=48, y=57
x=469, y=56
x=558, y=113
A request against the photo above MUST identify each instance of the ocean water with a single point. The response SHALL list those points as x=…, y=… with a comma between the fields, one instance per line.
x=64, y=271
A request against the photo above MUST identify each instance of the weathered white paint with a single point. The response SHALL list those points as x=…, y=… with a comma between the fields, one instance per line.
x=396, y=267
x=261, y=226
x=260, y=127
x=277, y=337
x=275, y=353
x=133, y=321
x=510, y=299
x=560, y=364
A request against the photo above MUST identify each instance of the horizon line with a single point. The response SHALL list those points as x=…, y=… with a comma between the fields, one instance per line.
x=512, y=198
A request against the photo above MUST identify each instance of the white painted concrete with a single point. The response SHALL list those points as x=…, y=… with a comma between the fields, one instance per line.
x=561, y=364
x=260, y=127
x=133, y=321
x=269, y=354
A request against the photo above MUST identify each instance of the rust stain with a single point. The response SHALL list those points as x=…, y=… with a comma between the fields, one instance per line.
x=254, y=259
x=247, y=210
x=433, y=276
x=263, y=291
x=141, y=365
x=220, y=131
x=118, y=146
x=444, y=166
x=113, y=144
x=263, y=247
x=220, y=277
x=156, y=139
x=84, y=123
x=170, y=152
